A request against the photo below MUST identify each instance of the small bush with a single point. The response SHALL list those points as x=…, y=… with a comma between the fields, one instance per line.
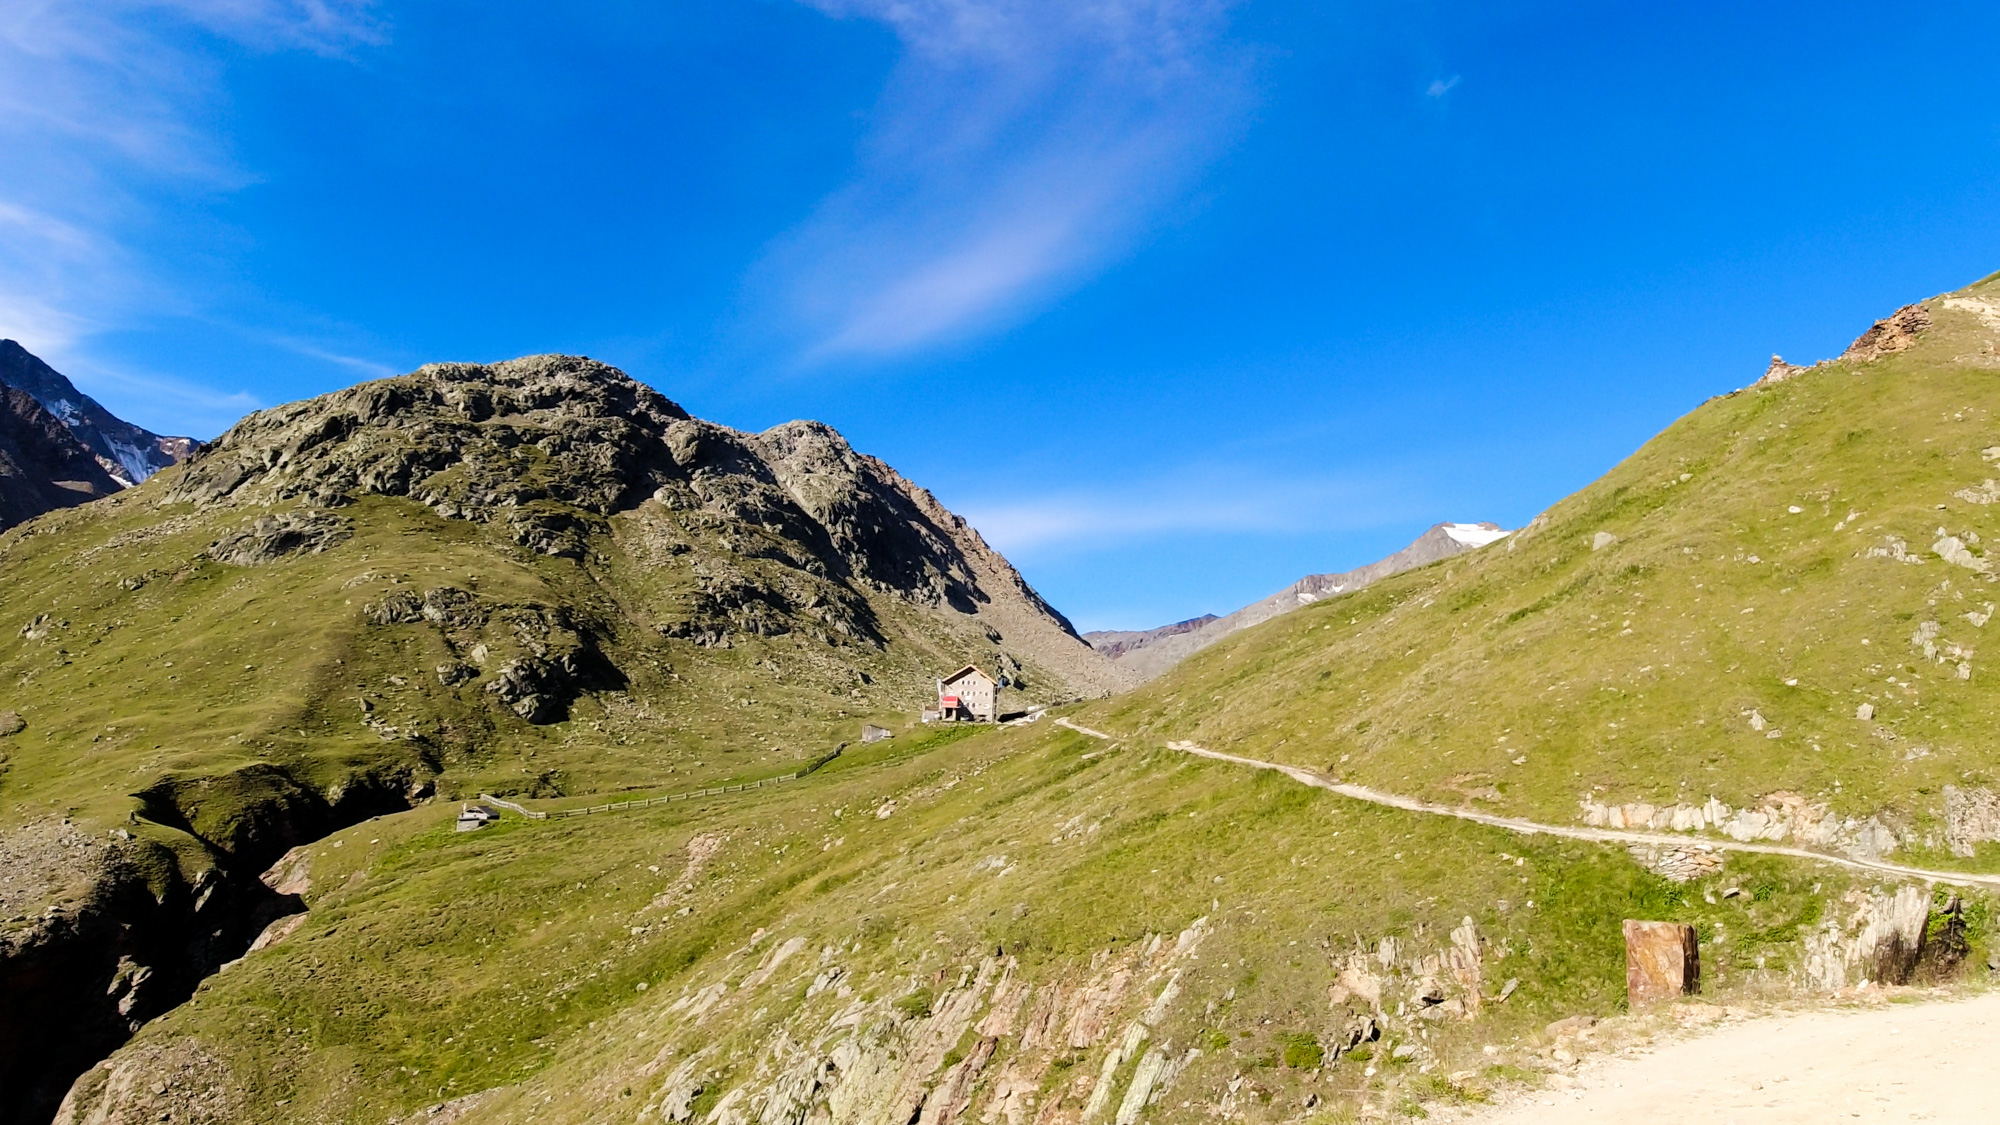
x=1303, y=1052
x=916, y=1005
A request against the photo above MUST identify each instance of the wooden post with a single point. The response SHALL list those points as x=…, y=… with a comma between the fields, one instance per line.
x=1662, y=961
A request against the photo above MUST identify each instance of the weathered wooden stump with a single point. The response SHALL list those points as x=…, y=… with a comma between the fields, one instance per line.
x=1662, y=961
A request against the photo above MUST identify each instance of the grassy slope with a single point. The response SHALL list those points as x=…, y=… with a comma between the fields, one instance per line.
x=205, y=668
x=1738, y=581
x=435, y=965
x=534, y=958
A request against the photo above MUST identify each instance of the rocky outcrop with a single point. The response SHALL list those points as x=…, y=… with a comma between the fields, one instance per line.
x=268, y=539
x=1151, y=652
x=1677, y=865
x=42, y=466
x=182, y=1082
x=126, y=453
x=1779, y=816
x=1971, y=818
x=1779, y=371
x=101, y=934
x=1083, y=1044
x=1874, y=936
x=548, y=449
x=1894, y=333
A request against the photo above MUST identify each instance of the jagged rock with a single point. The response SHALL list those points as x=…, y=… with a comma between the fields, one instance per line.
x=1865, y=712
x=549, y=449
x=1985, y=493
x=1779, y=371
x=11, y=723
x=1662, y=961
x=1778, y=816
x=1894, y=548
x=42, y=465
x=1894, y=333
x=451, y=608
x=1602, y=540
x=1881, y=939
x=397, y=607
x=454, y=673
x=1971, y=816
x=1955, y=551
x=271, y=538
x=534, y=689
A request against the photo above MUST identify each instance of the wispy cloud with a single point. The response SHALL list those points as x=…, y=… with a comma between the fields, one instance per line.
x=1019, y=146
x=310, y=350
x=139, y=395
x=102, y=108
x=1441, y=86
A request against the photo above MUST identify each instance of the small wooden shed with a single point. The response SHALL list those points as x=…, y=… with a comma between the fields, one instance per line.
x=968, y=696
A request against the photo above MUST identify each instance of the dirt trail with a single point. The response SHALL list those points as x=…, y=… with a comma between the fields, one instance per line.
x=1533, y=828
x=1898, y=1062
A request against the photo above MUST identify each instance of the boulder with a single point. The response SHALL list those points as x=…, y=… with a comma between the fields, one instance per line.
x=1662, y=961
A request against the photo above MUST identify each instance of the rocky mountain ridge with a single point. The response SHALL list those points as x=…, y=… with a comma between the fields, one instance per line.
x=127, y=453
x=42, y=466
x=548, y=448
x=1148, y=653
x=533, y=578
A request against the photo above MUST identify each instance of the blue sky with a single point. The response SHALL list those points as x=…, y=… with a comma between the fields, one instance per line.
x=1219, y=293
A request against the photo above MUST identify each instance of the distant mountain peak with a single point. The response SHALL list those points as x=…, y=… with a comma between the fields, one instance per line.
x=1150, y=652
x=128, y=453
x=1474, y=534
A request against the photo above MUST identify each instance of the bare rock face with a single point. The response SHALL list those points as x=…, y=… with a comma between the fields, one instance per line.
x=1895, y=333
x=1878, y=936
x=127, y=453
x=180, y=1081
x=42, y=466
x=1971, y=817
x=549, y=449
x=1662, y=961
x=270, y=538
x=515, y=443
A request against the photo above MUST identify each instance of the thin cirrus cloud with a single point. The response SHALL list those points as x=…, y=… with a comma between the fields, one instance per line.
x=102, y=110
x=1018, y=147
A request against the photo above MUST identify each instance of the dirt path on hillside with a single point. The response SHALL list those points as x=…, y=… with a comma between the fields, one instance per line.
x=1573, y=832
x=1898, y=1062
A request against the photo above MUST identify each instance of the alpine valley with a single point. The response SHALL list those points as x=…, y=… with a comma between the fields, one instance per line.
x=1740, y=682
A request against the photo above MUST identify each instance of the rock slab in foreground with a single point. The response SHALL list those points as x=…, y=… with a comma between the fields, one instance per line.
x=1662, y=961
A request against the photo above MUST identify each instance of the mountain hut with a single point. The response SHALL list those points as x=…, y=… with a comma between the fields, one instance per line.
x=968, y=696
